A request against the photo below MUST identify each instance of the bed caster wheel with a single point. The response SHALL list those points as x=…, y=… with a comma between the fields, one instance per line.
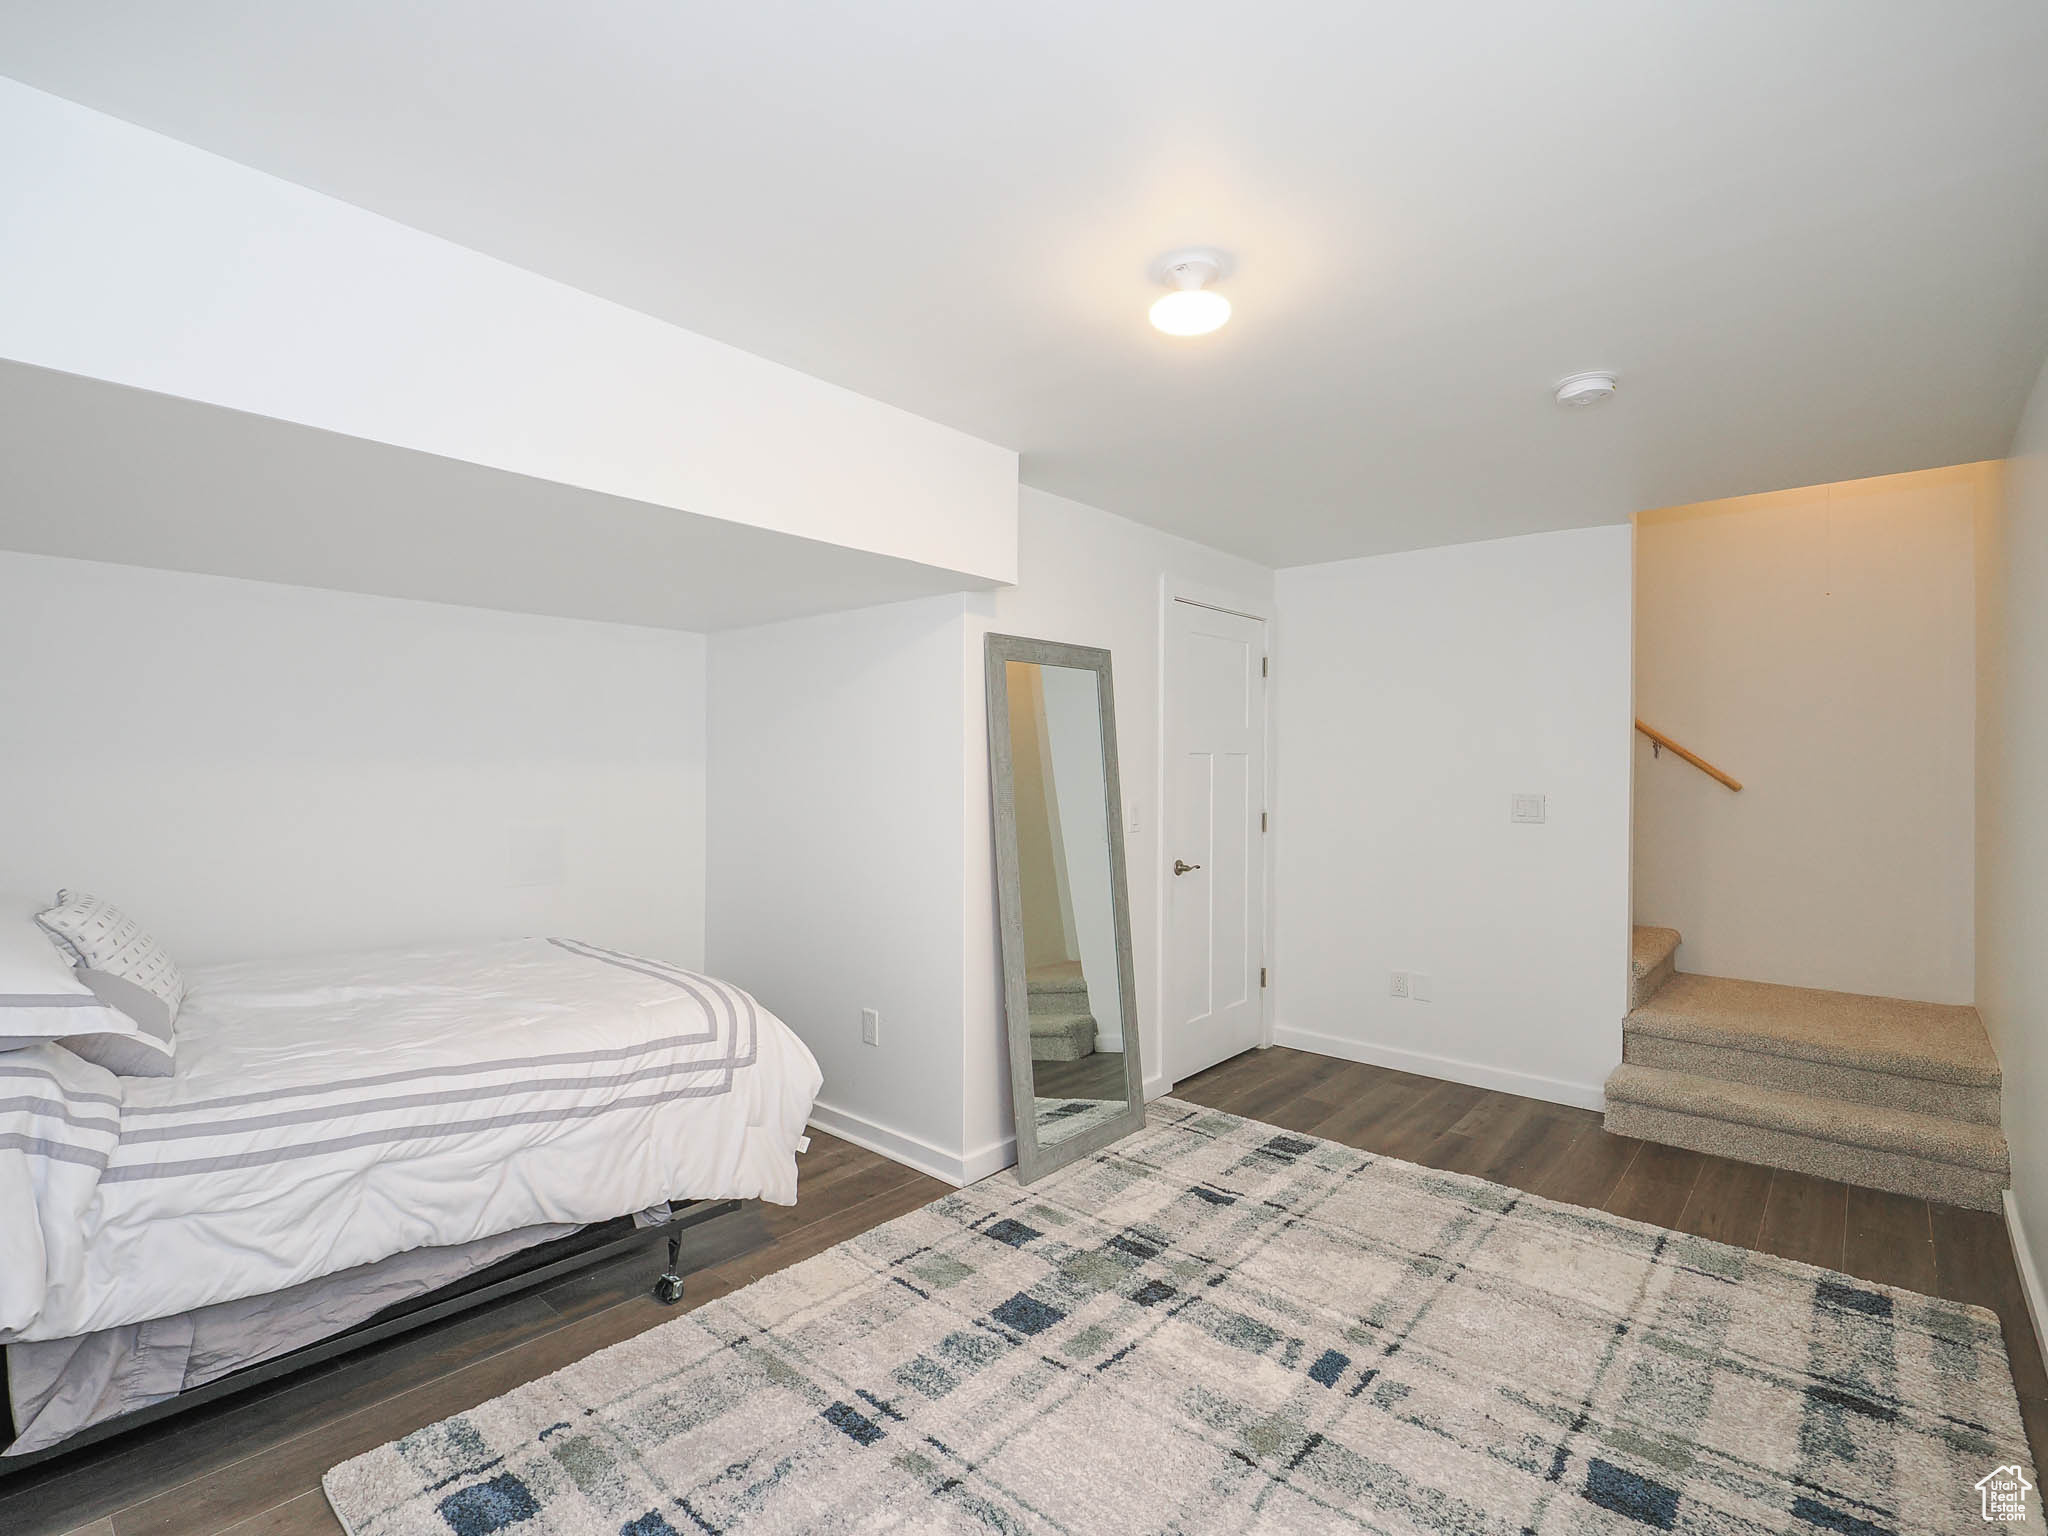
x=668, y=1290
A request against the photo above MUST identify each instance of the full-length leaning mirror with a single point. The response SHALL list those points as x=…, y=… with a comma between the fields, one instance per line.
x=1068, y=1006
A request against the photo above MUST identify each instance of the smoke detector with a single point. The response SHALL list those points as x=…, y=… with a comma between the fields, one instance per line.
x=1585, y=388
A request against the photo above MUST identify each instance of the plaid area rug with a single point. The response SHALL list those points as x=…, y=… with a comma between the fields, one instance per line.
x=1218, y=1326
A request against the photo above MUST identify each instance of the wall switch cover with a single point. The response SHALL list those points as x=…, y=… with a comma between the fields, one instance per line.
x=1418, y=986
x=1130, y=816
x=1528, y=810
x=870, y=1027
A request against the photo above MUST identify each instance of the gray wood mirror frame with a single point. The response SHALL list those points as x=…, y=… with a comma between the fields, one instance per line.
x=1069, y=1005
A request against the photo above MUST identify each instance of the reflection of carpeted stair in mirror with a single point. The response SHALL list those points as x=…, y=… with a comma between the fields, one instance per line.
x=1062, y=1024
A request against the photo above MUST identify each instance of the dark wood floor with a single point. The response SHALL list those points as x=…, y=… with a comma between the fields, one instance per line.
x=254, y=1466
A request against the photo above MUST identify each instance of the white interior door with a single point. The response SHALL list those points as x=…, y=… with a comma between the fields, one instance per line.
x=1216, y=793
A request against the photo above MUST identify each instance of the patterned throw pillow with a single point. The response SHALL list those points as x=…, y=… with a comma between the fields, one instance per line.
x=99, y=936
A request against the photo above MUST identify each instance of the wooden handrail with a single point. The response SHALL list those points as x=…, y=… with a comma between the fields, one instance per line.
x=1691, y=757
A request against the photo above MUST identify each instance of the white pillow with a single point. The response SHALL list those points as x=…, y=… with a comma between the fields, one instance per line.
x=97, y=1015
x=101, y=937
x=40, y=998
x=144, y=1047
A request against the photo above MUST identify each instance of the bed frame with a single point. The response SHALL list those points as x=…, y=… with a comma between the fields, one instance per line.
x=522, y=1271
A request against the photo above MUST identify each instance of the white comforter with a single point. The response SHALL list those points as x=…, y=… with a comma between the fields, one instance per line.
x=332, y=1112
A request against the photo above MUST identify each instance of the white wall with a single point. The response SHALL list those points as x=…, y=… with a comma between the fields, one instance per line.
x=1818, y=644
x=131, y=257
x=835, y=856
x=2012, y=821
x=851, y=852
x=1088, y=578
x=1415, y=694
x=258, y=770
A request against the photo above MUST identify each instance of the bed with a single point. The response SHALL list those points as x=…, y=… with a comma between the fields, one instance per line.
x=347, y=1133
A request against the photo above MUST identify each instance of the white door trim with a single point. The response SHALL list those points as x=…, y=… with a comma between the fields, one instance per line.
x=1180, y=589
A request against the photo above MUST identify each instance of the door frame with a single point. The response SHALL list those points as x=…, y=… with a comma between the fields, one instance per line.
x=1180, y=589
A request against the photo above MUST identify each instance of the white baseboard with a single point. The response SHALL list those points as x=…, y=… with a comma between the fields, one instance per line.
x=1502, y=1079
x=912, y=1151
x=993, y=1158
x=2030, y=1277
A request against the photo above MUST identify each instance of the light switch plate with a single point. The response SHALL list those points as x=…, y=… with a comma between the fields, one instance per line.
x=1418, y=986
x=870, y=1027
x=1130, y=816
x=1528, y=810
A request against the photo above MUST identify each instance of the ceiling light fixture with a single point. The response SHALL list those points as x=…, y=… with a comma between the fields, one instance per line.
x=1585, y=388
x=1191, y=309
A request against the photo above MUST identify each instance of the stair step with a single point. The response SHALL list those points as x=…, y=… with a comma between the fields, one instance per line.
x=1937, y=1042
x=1650, y=948
x=1062, y=1036
x=1819, y=1079
x=1057, y=1004
x=1056, y=976
x=1058, y=993
x=1955, y=1161
x=1862, y=1125
x=1652, y=961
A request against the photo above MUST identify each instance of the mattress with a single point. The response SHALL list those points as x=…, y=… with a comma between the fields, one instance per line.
x=329, y=1113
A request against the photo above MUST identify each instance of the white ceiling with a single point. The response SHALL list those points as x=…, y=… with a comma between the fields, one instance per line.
x=98, y=471
x=1812, y=238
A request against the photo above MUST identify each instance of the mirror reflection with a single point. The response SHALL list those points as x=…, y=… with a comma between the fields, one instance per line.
x=1064, y=874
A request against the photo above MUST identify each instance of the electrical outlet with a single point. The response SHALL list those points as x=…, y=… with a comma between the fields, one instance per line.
x=870, y=1027
x=1397, y=983
x=1418, y=986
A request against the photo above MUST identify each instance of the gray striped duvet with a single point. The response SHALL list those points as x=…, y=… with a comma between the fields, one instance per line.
x=328, y=1113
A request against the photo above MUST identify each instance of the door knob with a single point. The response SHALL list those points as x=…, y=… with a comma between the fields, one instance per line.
x=1184, y=869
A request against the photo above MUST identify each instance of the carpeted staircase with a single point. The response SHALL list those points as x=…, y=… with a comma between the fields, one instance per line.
x=1062, y=1024
x=1875, y=1091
